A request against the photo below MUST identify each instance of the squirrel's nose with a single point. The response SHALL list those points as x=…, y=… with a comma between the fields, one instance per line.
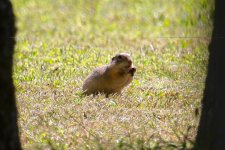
x=129, y=62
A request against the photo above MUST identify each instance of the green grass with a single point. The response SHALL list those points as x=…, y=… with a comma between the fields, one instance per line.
x=59, y=42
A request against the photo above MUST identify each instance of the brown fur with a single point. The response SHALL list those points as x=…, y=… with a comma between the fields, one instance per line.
x=111, y=78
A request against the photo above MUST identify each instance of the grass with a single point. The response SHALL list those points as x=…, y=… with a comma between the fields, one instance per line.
x=60, y=42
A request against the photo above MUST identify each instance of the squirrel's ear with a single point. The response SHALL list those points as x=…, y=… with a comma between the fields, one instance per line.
x=113, y=58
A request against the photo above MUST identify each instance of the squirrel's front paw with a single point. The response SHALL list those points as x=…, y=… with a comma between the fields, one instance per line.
x=132, y=71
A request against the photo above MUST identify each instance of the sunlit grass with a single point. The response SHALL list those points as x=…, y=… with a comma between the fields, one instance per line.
x=60, y=42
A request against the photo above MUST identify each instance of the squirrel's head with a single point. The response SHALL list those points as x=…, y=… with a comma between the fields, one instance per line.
x=122, y=60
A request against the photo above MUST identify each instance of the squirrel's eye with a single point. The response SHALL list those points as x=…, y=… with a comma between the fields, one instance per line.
x=119, y=57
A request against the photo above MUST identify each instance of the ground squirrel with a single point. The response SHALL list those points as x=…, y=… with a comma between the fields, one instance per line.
x=111, y=78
